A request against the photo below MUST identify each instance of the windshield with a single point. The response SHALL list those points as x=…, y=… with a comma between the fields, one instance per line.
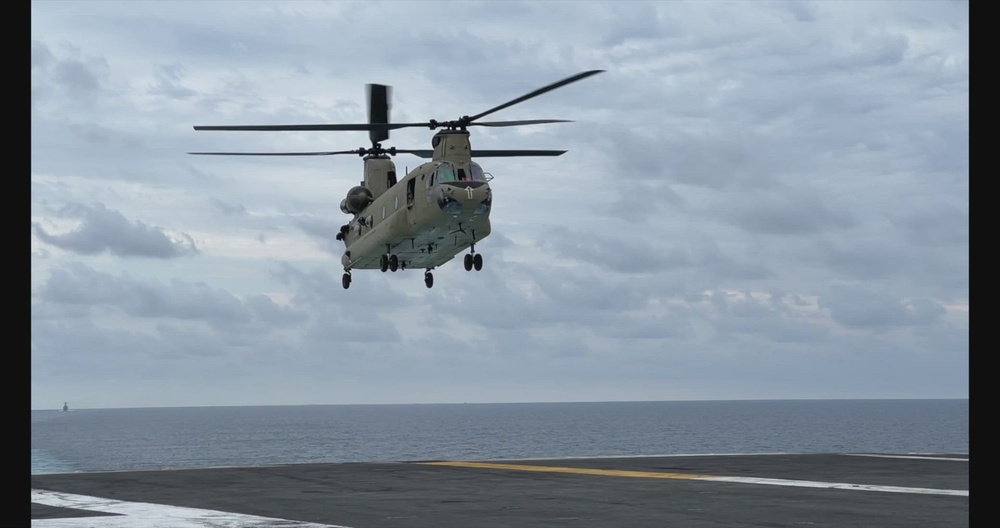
x=477, y=172
x=446, y=172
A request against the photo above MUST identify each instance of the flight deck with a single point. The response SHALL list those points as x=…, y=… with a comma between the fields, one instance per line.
x=690, y=491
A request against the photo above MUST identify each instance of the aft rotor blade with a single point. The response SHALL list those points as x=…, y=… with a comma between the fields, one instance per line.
x=309, y=128
x=370, y=127
x=330, y=153
x=378, y=110
x=538, y=92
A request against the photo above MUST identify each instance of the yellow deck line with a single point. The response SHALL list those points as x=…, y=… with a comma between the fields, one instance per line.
x=580, y=471
x=692, y=476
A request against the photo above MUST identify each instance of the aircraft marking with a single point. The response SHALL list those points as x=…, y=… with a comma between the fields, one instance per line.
x=579, y=471
x=692, y=476
x=123, y=514
x=912, y=457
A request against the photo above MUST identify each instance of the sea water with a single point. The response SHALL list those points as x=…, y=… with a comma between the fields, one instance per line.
x=196, y=437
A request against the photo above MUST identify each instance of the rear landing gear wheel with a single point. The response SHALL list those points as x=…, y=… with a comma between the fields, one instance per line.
x=428, y=279
x=346, y=280
x=477, y=261
x=393, y=262
x=468, y=262
x=383, y=263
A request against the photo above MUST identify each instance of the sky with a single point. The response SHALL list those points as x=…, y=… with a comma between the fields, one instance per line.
x=759, y=200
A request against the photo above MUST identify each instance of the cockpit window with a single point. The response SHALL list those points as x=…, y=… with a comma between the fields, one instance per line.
x=477, y=172
x=446, y=173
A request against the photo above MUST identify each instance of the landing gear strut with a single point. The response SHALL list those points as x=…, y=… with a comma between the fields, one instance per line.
x=388, y=262
x=473, y=259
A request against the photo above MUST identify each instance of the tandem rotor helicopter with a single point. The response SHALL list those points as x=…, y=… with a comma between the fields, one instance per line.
x=438, y=210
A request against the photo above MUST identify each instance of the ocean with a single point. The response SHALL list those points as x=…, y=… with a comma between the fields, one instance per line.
x=198, y=437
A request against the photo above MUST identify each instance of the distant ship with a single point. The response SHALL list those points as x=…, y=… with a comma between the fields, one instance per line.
x=65, y=406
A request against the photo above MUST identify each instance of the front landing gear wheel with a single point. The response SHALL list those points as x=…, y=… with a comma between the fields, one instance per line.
x=346, y=280
x=393, y=262
x=383, y=263
x=428, y=279
x=468, y=262
x=477, y=261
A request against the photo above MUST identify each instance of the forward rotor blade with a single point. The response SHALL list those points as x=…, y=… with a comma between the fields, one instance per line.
x=378, y=110
x=423, y=153
x=538, y=92
x=520, y=122
x=477, y=153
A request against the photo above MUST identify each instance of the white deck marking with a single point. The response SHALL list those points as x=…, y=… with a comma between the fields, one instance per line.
x=915, y=457
x=144, y=515
x=837, y=485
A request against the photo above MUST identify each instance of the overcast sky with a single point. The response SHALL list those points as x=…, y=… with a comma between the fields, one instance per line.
x=760, y=200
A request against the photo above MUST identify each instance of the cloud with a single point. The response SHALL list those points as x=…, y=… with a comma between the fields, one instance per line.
x=79, y=284
x=103, y=230
x=76, y=77
x=854, y=306
x=764, y=200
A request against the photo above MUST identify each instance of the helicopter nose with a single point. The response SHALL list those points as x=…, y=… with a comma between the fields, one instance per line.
x=468, y=191
x=465, y=196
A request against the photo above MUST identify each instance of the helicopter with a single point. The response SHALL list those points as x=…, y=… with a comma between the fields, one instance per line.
x=437, y=210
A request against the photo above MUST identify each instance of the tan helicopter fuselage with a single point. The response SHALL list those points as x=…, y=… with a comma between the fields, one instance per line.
x=438, y=210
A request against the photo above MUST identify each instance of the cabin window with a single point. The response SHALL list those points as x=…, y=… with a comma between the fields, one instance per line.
x=383, y=212
x=395, y=203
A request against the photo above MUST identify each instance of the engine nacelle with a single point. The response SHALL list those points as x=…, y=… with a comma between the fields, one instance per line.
x=357, y=199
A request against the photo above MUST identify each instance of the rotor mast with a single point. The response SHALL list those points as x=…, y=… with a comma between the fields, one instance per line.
x=380, y=171
x=380, y=174
x=452, y=145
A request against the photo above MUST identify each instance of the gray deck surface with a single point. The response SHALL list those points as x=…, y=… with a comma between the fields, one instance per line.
x=809, y=490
